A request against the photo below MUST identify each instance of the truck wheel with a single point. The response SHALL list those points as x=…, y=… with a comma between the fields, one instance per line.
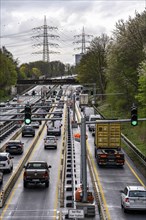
x=47, y=184
x=25, y=184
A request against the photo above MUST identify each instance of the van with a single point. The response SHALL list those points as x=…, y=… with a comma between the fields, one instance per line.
x=87, y=112
x=91, y=127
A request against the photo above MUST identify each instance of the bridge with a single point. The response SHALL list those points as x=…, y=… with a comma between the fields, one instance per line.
x=67, y=81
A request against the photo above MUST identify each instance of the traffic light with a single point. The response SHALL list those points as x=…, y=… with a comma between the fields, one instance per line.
x=27, y=118
x=134, y=118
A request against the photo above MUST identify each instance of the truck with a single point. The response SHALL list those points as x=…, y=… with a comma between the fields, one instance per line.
x=83, y=100
x=36, y=172
x=107, y=143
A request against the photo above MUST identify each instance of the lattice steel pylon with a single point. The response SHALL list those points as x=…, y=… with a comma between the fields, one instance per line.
x=46, y=52
x=83, y=41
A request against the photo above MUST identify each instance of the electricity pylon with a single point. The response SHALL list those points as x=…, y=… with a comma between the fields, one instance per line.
x=46, y=52
x=82, y=40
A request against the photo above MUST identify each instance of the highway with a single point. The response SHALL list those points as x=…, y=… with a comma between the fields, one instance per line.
x=38, y=202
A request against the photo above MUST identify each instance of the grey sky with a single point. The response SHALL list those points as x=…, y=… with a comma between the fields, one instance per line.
x=19, y=17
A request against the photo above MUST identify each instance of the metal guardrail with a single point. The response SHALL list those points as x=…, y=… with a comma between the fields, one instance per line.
x=134, y=149
x=7, y=129
x=8, y=187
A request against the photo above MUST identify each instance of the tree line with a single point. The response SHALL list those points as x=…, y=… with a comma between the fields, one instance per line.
x=10, y=71
x=117, y=65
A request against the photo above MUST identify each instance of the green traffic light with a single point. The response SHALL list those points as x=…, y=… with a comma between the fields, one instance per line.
x=27, y=121
x=134, y=123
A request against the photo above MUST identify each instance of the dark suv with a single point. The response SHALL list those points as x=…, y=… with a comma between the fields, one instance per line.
x=28, y=130
x=14, y=147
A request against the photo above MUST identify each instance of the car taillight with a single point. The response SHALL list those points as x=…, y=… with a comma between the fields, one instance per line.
x=25, y=174
x=103, y=156
x=126, y=199
x=46, y=174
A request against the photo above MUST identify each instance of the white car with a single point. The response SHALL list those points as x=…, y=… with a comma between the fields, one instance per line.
x=50, y=142
x=6, y=162
x=133, y=198
x=35, y=124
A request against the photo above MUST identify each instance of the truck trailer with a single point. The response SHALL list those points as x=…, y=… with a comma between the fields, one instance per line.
x=108, y=144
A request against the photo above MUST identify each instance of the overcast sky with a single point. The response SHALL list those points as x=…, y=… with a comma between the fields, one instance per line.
x=21, y=19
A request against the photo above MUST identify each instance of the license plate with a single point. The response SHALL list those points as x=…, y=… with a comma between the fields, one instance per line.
x=35, y=180
x=1, y=165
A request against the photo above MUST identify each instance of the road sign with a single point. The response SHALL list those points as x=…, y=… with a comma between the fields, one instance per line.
x=76, y=213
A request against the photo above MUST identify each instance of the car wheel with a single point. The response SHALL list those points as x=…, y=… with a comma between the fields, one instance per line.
x=47, y=184
x=25, y=184
x=11, y=168
x=95, y=153
x=125, y=210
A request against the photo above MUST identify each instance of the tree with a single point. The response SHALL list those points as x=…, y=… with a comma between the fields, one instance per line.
x=141, y=96
x=36, y=73
x=92, y=66
x=123, y=58
x=8, y=73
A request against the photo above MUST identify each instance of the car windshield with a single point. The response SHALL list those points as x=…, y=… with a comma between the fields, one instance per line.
x=3, y=158
x=50, y=139
x=14, y=143
x=137, y=193
x=36, y=166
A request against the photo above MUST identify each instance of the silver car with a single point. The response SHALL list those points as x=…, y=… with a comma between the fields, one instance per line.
x=133, y=198
x=50, y=142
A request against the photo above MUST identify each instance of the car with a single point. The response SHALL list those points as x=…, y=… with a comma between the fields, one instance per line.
x=28, y=130
x=50, y=142
x=2, y=104
x=91, y=127
x=60, y=104
x=56, y=131
x=6, y=162
x=36, y=172
x=1, y=177
x=57, y=113
x=35, y=124
x=15, y=99
x=133, y=198
x=14, y=147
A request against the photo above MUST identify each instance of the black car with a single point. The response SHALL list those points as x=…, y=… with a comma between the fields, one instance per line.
x=28, y=130
x=14, y=147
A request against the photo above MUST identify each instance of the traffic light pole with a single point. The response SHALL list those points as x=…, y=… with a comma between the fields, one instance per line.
x=83, y=160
